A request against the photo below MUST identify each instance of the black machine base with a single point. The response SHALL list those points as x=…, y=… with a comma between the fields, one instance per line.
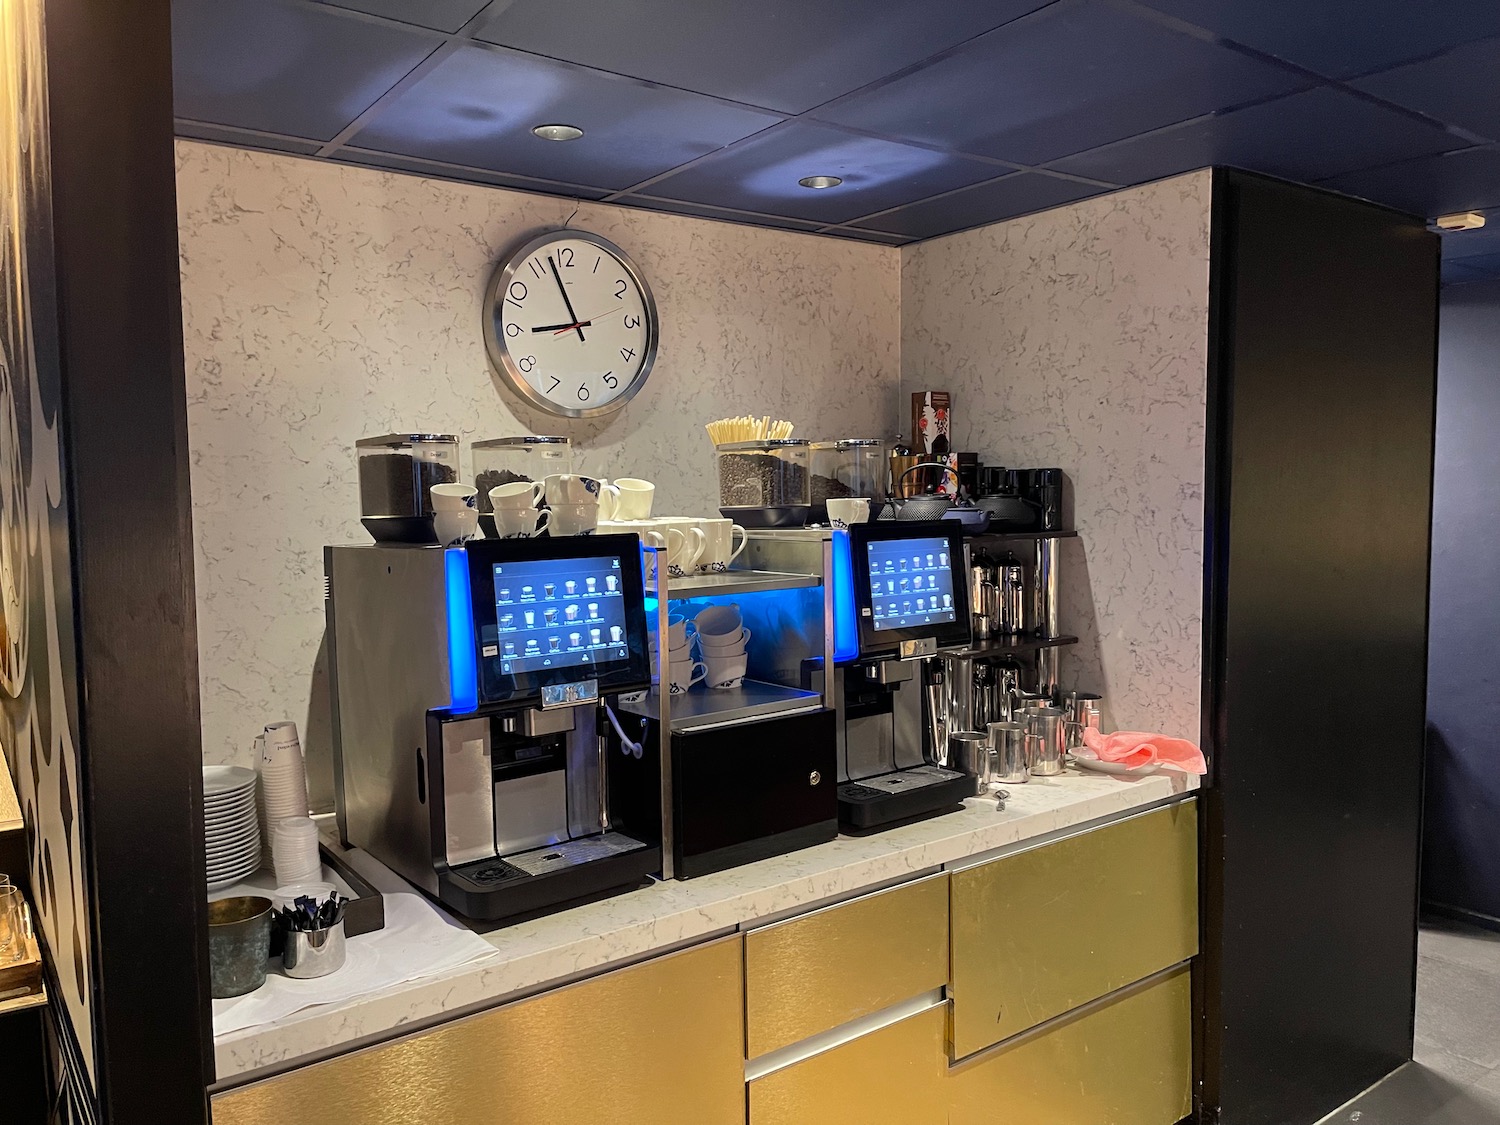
x=881, y=802
x=504, y=890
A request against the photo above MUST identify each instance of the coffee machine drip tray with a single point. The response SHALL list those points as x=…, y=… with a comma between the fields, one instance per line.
x=548, y=878
x=902, y=795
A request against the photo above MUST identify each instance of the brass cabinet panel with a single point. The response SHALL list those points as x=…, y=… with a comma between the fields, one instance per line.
x=1127, y=1062
x=894, y=1076
x=1042, y=932
x=657, y=1044
x=813, y=973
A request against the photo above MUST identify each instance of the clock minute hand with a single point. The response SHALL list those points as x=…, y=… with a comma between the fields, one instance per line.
x=561, y=328
x=577, y=324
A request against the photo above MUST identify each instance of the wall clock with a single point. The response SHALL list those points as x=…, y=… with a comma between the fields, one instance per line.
x=570, y=324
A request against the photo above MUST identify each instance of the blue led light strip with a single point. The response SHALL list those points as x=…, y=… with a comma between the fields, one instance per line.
x=463, y=669
x=845, y=626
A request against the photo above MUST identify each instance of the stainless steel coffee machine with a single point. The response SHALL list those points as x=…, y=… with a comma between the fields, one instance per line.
x=909, y=604
x=470, y=689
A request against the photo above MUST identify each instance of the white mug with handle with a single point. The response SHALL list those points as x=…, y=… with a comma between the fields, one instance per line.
x=516, y=494
x=718, y=545
x=681, y=677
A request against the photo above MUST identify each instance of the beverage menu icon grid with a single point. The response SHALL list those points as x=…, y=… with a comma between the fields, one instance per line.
x=911, y=583
x=558, y=613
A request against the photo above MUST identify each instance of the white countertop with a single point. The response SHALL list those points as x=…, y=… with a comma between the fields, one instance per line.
x=627, y=927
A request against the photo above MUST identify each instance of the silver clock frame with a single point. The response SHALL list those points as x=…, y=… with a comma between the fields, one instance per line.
x=494, y=334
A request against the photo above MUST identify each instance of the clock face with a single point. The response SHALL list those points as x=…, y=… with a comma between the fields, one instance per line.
x=570, y=324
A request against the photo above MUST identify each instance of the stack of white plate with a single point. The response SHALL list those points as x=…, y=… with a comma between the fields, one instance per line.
x=231, y=831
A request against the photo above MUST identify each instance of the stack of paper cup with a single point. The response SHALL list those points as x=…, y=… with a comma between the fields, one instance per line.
x=294, y=848
x=283, y=777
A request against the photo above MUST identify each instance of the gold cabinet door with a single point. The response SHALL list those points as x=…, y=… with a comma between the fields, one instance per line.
x=661, y=1043
x=893, y=1076
x=813, y=973
x=1044, y=931
x=1128, y=1061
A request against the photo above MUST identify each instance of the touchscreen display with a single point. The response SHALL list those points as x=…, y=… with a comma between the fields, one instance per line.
x=911, y=583
x=558, y=613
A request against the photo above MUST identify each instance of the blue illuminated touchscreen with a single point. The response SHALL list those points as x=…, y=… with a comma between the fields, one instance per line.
x=558, y=613
x=911, y=583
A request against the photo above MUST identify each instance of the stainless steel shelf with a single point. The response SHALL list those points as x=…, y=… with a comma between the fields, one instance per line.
x=733, y=582
x=704, y=707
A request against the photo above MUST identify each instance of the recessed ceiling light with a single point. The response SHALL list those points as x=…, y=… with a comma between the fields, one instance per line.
x=1464, y=220
x=558, y=132
x=816, y=182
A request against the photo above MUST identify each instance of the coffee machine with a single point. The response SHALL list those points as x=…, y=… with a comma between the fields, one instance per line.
x=470, y=687
x=909, y=605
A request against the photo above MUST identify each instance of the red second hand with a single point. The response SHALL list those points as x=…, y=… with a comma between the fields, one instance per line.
x=586, y=323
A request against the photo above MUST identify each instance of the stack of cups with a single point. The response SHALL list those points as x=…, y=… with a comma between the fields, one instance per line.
x=294, y=847
x=283, y=777
x=455, y=513
x=682, y=671
x=722, y=643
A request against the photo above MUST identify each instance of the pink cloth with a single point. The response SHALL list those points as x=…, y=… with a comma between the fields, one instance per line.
x=1134, y=749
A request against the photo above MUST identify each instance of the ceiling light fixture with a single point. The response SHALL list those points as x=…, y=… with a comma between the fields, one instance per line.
x=1462, y=220
x=819, y=182
x=557, y=132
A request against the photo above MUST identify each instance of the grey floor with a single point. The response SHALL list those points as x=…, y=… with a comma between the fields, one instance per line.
x=1455, y=1078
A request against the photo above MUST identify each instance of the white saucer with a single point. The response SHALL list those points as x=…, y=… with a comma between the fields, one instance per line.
x=1115, y=769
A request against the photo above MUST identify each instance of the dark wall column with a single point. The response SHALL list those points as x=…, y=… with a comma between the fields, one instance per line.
x=1320, y=445
x=125, y=440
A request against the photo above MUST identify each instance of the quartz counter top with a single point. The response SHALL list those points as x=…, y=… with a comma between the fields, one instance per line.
x=589, y=939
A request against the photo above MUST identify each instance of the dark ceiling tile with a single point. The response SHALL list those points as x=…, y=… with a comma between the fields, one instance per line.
x=788, y=55
x=1018, y=194
x=283, y=68
x=1340, y=38
x=1461, y=244
x=700, y=211
x=761, y=174
x=1461, y=87
x=1468, y=180
x=1071, y=77
x=441, y=15
x=1307, y=136
x=243, y=138
x=443, y=171
x=477, y=107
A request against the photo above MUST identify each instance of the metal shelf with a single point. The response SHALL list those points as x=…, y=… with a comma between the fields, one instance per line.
x=24, y=1003
x=1023, y=536
x=732, y=582
x=704, y=707
x=1012, y=646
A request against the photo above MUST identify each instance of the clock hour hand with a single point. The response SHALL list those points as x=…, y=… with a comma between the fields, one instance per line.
x=577, y=324
x=560, y=328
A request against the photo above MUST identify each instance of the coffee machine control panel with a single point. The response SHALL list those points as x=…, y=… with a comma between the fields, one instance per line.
x=910, y=599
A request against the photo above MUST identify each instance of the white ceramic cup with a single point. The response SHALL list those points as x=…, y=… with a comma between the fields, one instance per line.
x=724, y=673
x=718, y=545
x=723, y=644
x=518, y=523
x=680, y=677
x=453, y=497
x=718, y=621
x=846, y=510
x=573, y=519
x=455, y=526
x=682, y=541
x=635, y=498
x=516, y=494
x=571, y=488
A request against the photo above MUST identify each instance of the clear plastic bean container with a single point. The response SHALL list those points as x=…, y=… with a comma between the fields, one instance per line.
x=848, y=467
x=396, y=470
x=765, y=483
x=503, y=460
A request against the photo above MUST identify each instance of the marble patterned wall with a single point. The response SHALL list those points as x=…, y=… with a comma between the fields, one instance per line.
x=1078, y=338
x=324, y=303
